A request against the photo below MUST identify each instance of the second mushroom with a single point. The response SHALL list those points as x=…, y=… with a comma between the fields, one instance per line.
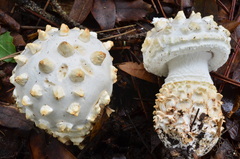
x=188, y=112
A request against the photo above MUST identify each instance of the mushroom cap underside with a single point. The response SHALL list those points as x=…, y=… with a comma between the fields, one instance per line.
x=174, y=37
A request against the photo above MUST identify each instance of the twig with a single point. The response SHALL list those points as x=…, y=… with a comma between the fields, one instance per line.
x=10, y=56
x=64, y=15
x=128, y=26
x=47, y=20
x=33, y=27
x=232, y=10
x=45, y=7
x=194, y=120
x=114, y=36
x=230, y=127
x=143, y=26
x=230, y=64
x=11, y=89
x=2, y=133
x=30, y=5
x=162, y=9
x=225, y=79
x=154, y=5
x=223, y=6
x=182, y=4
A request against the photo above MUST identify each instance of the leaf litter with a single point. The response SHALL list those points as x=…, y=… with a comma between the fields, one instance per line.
x=128, y=132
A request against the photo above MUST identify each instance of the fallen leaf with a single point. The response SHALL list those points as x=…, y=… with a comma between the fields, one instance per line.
x=206, y=7
x=7, y=5
x=66, y=5
x=169, y=1
x=80, y=10
x=10, y=143
x=58, y=150
x=234, y=131
x=230, y=25
x=104, y=12
x=155, y=141
x=236, y=73
x=137, y=70
x=6, y=46
x=10, y=117
x=131, y=10
x=235, y=106
x=185, y=3
x=17, y=39
x=37, y=144
x=9, y=21
x=225, y=151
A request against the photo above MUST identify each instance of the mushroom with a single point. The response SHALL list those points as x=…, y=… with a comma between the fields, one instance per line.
x=187, y=112
x=62, y=84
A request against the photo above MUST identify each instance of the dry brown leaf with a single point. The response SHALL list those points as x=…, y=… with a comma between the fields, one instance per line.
x=58, y=150
x=236, y=73
x=155, y=141
x=9, y=21
x=17, y=39
x=37, y=144
x=97, y=127
x=185, y=3
x=80, y=10
x=230, y=25
x=7, y=5
x=222, y=14
x=11, y=118
x=234, y=132
x=104, y=13
x=9, y=143
x=169, y=1
x=225, y=151
x=206, y=7
x=235, y=106
x=131, y=10
x=137, y=70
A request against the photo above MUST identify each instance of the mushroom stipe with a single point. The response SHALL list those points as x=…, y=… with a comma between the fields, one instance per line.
x=187, y=112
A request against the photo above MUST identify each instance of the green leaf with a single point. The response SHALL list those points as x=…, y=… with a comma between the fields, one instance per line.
x=6, y=46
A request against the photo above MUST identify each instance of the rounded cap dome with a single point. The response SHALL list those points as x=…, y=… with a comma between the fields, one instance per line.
x=63, y=80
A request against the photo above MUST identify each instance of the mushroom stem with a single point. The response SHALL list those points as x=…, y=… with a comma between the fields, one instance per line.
x=189, y=67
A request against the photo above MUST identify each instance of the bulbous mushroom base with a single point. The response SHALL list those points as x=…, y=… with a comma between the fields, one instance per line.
x=188, y=116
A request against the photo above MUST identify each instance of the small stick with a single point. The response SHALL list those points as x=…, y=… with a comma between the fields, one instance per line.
x=222, y=5
x=230, y=127
x=64, y=15
x=128, y=26
x=162, y=9
x=114, y=36
x=194, y=120
x=154, y=5
x=10, y=56
x=225, y=79
x=50, y=22
x=45, y=7
x=33, y=27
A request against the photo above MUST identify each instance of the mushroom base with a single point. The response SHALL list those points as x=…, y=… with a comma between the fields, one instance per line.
x=188, y=116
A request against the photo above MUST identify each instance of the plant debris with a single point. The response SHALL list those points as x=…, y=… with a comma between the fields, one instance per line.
x=128, y=130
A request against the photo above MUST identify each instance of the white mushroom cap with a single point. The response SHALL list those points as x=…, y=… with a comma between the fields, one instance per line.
x=173, y=37
x=61, y=84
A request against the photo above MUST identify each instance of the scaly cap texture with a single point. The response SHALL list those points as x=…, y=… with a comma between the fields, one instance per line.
x=62, y=84
x=172, y=37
